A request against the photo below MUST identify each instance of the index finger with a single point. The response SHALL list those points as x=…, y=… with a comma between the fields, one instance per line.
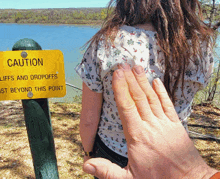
x=127, y=109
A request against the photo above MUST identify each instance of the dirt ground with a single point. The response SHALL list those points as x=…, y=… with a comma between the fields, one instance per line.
x=15, y=156
x=205, y=120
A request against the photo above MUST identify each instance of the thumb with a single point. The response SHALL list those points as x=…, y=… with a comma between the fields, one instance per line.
x=103, y=168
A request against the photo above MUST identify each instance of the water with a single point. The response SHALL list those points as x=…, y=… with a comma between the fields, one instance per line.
x=67, y=38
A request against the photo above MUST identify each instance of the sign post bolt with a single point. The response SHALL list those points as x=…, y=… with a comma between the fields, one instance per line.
x=38, y=125
x=30, y=94
x=24, y=54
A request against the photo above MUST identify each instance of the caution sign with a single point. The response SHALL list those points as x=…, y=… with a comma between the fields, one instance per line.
x=32, y=74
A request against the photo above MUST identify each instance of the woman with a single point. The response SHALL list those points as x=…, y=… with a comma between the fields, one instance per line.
x=168, y=39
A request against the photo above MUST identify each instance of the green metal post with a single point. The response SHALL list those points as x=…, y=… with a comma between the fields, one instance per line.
x=39, y=128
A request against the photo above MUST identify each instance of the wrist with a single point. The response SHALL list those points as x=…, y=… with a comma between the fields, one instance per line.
x=201, y=172
x=211, y=174
x=89, y=154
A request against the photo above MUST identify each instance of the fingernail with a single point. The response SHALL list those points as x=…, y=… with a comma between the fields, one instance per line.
x=158, y=81
x=138, y=69
x=89, y=169
x=120, y=73
x=125, y=66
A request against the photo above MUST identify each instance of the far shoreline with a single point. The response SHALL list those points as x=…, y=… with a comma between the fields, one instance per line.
x=98, y=25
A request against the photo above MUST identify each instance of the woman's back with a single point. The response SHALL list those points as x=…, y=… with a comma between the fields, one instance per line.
x=168, y=38
x=135, y=46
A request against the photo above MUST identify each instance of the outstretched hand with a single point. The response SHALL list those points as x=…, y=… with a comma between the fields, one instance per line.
x=158, y=145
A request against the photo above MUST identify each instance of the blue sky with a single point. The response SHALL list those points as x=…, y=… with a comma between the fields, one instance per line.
x=36, y=4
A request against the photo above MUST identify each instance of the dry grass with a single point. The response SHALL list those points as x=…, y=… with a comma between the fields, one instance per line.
x=206, y=120
x=15, y=156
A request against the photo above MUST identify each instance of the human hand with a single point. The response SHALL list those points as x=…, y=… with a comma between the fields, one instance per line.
x=158, y=145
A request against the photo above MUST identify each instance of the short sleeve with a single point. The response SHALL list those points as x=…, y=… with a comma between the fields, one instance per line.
x=89, y=70
x=200, y=71
x=197, y=76
x=208, y=65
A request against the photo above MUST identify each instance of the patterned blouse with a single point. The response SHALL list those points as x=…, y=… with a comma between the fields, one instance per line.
x=136, y=47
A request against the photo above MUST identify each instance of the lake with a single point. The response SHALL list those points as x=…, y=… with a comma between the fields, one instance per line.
x=67, y=38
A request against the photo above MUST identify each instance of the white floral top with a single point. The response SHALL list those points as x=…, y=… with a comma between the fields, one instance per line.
x=135, y=46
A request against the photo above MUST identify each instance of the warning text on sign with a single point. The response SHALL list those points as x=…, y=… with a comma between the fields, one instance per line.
x=41, y=72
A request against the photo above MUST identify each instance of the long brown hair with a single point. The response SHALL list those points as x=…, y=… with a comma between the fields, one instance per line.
x=176, y=21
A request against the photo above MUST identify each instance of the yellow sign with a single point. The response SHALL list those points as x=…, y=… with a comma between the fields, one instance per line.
x=31, y=74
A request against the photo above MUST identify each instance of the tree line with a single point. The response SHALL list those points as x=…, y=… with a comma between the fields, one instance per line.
x=55, y=16
x=79, y=15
